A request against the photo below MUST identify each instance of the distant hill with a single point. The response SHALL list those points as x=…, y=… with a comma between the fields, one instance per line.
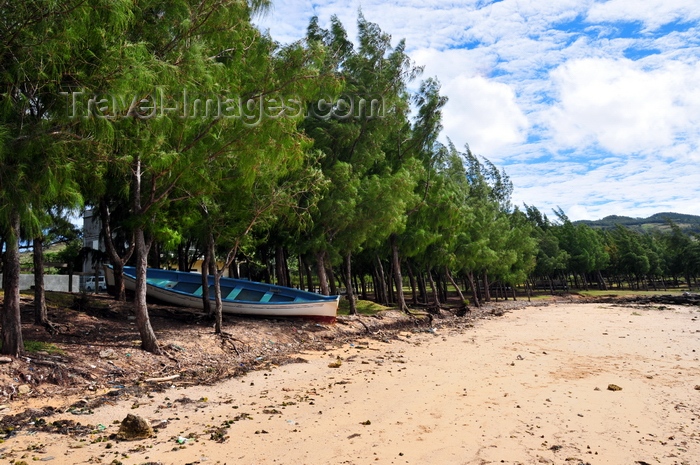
x=657, y=221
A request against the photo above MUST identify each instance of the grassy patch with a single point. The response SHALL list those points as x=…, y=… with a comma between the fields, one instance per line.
x=364, y=307
x=539, y=296
x=60, y=299
x=38, y=346
x=627, y=292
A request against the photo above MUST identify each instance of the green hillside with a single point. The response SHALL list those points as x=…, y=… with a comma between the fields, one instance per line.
x=657, y=221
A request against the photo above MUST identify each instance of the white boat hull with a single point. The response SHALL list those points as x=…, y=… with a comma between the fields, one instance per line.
x=325, y=308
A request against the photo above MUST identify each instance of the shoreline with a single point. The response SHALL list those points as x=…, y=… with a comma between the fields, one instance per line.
x=528, y=387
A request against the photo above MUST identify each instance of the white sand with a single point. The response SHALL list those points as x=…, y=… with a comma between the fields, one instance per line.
x=526, y=388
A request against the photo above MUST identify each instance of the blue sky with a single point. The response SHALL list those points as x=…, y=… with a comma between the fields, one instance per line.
x=592, y=106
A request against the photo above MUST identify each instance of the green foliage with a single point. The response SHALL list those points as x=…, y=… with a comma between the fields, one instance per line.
x=70, y=254
x=584, y=246
x=371, y=192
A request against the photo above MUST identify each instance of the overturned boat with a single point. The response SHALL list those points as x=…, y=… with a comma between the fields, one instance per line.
x=239, y=296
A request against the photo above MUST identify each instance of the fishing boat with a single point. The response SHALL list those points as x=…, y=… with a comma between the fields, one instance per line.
x=239, y=296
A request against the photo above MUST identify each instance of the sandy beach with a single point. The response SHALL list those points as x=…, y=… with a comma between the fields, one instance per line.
x=533, y=386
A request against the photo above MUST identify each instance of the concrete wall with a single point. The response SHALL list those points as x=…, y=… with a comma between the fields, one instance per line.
x=52, y=282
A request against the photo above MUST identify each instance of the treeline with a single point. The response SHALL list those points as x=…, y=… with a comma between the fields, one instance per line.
x=193, y=136
x=691, y=223
x=576, y=255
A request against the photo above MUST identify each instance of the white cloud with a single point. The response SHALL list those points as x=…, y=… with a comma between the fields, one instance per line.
x=484, y=114
x=653, y=13
x=452, y=63
x=623, y=107
x=578, y=212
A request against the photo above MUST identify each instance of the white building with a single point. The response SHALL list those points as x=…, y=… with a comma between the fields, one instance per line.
x=91, y=240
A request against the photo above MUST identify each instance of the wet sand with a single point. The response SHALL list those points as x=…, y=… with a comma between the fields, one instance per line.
x=529, y=387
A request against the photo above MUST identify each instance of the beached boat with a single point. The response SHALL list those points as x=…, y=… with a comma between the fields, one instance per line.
x=239, y=296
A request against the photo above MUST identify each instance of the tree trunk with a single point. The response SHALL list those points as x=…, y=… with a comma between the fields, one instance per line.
x=12, y=343
x=391, y=299
x=181, y=257
x=219, y=304
x=381, y=289
x=528, y=289
x=212, y=258
x=309, y=277
x=487, y=291
x=70, y=278
x=301, y=273
x=443, y=286
x=422, y=288
x=279, y=266
x=321, y=272
x=438, y=286
x=117, y=261
x=459, y=291
x=602, y=282
x=149, y=342
x=206, y=261
x=331, y=280
x=341, y=276
x=267, y=277
x=155, y=254
x=398, y=279
x=41, y=317
x=192, y=258
x=479, y=290
x=349, y=294
x=433, y=288
x=285, y=262
x=363, y=286
x=412, y=280
x=473, y=285
x=375, y=281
